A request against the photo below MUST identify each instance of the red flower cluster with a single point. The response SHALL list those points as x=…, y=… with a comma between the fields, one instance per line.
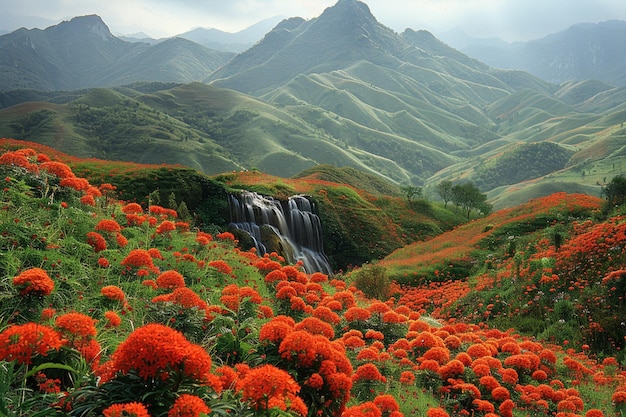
x=170, y=279
x=268, y=387
x=113, y=292
x=34, y=281
x=133, y=409
x=154, y=351
x=188, y=405
x=21, y=342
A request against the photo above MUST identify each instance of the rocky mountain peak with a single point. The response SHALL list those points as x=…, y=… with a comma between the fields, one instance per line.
x=82, y=25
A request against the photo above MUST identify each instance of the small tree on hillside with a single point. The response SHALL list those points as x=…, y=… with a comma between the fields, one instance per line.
x=468, y=197
x=615, y=191
x=444, y=189
x=411, y=192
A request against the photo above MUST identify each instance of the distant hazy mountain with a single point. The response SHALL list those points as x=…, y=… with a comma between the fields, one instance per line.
x=83, y=53
x=231, y=42
x=139, y=37
x=582, y=52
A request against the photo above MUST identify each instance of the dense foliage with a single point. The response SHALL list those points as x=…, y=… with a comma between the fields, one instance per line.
x=521, y=163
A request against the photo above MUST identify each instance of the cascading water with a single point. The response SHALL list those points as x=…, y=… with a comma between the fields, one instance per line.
x=291, y=227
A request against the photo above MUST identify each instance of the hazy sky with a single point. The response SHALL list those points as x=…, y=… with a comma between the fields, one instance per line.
x=507, y=19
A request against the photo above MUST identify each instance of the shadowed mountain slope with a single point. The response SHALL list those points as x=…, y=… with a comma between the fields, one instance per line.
x=83, y=53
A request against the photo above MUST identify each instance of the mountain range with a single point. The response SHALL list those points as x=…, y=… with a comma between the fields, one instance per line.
x=83, y=53
x=584, y=51
x=339, y=89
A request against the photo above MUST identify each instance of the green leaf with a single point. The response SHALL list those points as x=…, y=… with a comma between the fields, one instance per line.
x=50, y=365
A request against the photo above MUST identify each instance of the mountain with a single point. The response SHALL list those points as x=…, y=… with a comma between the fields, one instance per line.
x=231, y=42
x=83, y=53
x=139, y=37
x=415, y=100
x=343, y=90
x=582, y=52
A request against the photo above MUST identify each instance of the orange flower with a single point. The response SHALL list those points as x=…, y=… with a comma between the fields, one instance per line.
x=113, y=319
x=356, y=314
x=314, y=325
x=47, y=313
x=103, y=262
x=22, y=342
x=619, y=397
x=170, y=279
x=368, y=372
x=439, y=354
x=155, y=350
x=407, y=378
x=78, y=328
x=315, y=381
x=506, y=408
x=121, y=240
x=59, y=169
x=34, y=281
x=276, y=329
x=132, y=208
x=133, y=409
x=221, y=266
x=113, y=292
x=97, y=241
x=225, y=236
x=108, y=225
x=165, y=227
x=88, y=200
x=509, y=375
x=188, y=405
x=80, y=184
x=437, y=412
x=326, y=314
x=299, y=348
x=184, y=297
x=139, y=258
x=367, y=409
x=267, y=386
x=500, y=394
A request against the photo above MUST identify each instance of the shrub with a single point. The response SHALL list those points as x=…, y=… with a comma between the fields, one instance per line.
x=373, y=281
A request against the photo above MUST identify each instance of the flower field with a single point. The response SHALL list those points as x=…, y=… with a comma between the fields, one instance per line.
x=109, y=308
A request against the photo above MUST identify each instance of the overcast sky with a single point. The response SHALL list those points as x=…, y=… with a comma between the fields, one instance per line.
x=508, y=19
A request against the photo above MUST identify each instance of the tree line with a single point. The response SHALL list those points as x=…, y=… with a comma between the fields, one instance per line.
x=465, y=196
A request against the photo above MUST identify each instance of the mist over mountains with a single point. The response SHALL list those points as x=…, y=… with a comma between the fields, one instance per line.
x=584, y=51
x=339, y=89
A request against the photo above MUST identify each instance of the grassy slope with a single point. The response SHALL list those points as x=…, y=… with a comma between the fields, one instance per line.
x=388, y=123
x=509, y=270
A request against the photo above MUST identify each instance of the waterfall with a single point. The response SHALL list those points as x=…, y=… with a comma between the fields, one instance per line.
x=290, y=228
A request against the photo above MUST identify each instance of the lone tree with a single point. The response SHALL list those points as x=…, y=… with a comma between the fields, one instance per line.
x=615, y=191
x=411, y=192
x=444, y=189
x=468, y=197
